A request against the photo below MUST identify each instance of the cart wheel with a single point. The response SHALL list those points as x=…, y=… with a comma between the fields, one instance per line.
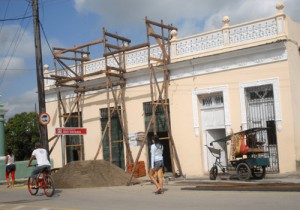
x=259, y=172
x=213, y=173
x=243, y=171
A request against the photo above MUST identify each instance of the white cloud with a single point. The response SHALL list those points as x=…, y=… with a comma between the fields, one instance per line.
x=17, y=45
x=22, y=103
x=190, y=16
x=16, y=41
x=16, y=64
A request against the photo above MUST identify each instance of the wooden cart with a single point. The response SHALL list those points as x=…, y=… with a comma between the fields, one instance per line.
x=247, y=154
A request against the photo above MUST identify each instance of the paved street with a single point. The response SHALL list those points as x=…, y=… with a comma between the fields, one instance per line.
x=142, y=197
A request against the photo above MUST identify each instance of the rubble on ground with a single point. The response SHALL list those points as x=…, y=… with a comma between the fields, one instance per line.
x=91, y=173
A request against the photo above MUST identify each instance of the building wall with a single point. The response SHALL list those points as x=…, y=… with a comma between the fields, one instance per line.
x=294, y=69
x=190, y=146
x=228, y=70
x=180, y=98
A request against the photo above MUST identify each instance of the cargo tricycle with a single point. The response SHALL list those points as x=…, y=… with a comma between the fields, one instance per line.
x=248, y=156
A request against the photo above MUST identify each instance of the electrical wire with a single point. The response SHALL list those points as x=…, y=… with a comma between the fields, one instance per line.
x=11, y=19
x=41, y=25
x=16, y=41
x=19, y=69
x=4, y=15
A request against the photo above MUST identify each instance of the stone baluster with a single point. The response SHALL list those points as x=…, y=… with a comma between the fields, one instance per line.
x=225, y=29
x=173, y=44
x=280, y=18
x=46, y=72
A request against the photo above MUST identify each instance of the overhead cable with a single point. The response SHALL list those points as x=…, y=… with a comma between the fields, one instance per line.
x=11, y=19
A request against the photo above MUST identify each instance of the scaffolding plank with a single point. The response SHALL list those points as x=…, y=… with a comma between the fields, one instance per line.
x=169, y=27
x=98, y=87
x=158, y=36
x=72, y=59
x=156, y=59
x=115, y=68
x=125, y=49
x=114, y=75
x=112, y=46
x=68, y=50
x=79, y=46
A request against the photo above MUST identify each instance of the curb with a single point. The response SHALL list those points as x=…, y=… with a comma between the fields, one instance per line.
x=17, y=181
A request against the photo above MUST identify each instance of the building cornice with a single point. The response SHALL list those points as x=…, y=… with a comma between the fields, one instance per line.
x=243, y=58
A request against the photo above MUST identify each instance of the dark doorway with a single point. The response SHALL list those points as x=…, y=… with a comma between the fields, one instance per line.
x=117, y=147
x=74, y=143
x=166, y=151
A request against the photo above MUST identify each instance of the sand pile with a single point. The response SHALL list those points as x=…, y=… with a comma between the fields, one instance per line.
x=91, y=173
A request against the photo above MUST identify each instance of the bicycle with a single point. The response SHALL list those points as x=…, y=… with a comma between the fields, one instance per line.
x=43, y=180
x=213, y=172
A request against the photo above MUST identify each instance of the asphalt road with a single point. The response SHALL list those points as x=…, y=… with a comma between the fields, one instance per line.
x=142, y=197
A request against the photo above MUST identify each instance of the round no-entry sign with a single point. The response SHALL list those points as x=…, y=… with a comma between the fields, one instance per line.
x=44, y=118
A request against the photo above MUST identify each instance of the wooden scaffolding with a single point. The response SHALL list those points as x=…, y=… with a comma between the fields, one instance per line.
x=161, y=33
x=70, y=76
x=115, y=86
x=115, y=47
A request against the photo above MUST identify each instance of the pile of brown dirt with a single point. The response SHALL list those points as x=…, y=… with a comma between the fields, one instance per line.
x=91, y=173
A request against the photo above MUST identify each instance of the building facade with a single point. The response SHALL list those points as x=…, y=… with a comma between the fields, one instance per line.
x=221, y=81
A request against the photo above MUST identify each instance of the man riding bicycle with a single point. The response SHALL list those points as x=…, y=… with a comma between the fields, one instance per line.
x=43, y=163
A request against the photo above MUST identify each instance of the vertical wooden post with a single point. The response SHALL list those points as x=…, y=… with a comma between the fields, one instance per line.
x=39, y=72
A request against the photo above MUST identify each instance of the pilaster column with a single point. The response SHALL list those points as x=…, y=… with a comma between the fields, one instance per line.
x=225, y=28
x=280, y=18
x=173, y=52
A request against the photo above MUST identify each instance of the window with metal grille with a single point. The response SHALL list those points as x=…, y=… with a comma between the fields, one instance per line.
x=260, y=93
x=211, y=100
x=159, y=115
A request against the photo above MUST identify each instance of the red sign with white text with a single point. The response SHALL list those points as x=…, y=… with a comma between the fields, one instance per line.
x=70, y=131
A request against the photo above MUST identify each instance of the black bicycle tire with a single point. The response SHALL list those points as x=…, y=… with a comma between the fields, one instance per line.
x=243, y=172
x=29, y=185
x=213, y=173
x=49, y=184
x=260, y=175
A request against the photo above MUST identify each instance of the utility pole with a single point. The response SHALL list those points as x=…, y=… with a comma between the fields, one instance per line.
x=39, y=71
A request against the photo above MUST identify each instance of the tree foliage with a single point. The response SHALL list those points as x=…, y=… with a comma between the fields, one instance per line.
x=21, y=133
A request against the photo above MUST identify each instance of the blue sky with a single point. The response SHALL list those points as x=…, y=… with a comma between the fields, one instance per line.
x=67, y=23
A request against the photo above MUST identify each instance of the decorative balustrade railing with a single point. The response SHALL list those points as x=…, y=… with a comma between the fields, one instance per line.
x=253, y=32
x=229, y=36
x=199, y=43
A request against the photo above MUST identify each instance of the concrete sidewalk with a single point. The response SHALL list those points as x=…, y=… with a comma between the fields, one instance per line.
x=18, y=182
x=293, y=177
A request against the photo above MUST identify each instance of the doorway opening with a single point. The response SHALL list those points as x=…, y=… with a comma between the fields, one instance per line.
x=166, y=149
x=212, y=135
x=116, y=150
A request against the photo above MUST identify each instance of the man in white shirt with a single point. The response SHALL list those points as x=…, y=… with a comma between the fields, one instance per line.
x=41, y=157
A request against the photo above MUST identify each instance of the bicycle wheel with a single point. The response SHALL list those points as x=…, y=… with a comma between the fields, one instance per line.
x=32, y=188
x=243, y=172
x=213, y=173
x=49, y=186
x=259, y=172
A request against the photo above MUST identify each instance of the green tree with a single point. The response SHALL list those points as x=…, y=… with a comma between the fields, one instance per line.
x=21, y=133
